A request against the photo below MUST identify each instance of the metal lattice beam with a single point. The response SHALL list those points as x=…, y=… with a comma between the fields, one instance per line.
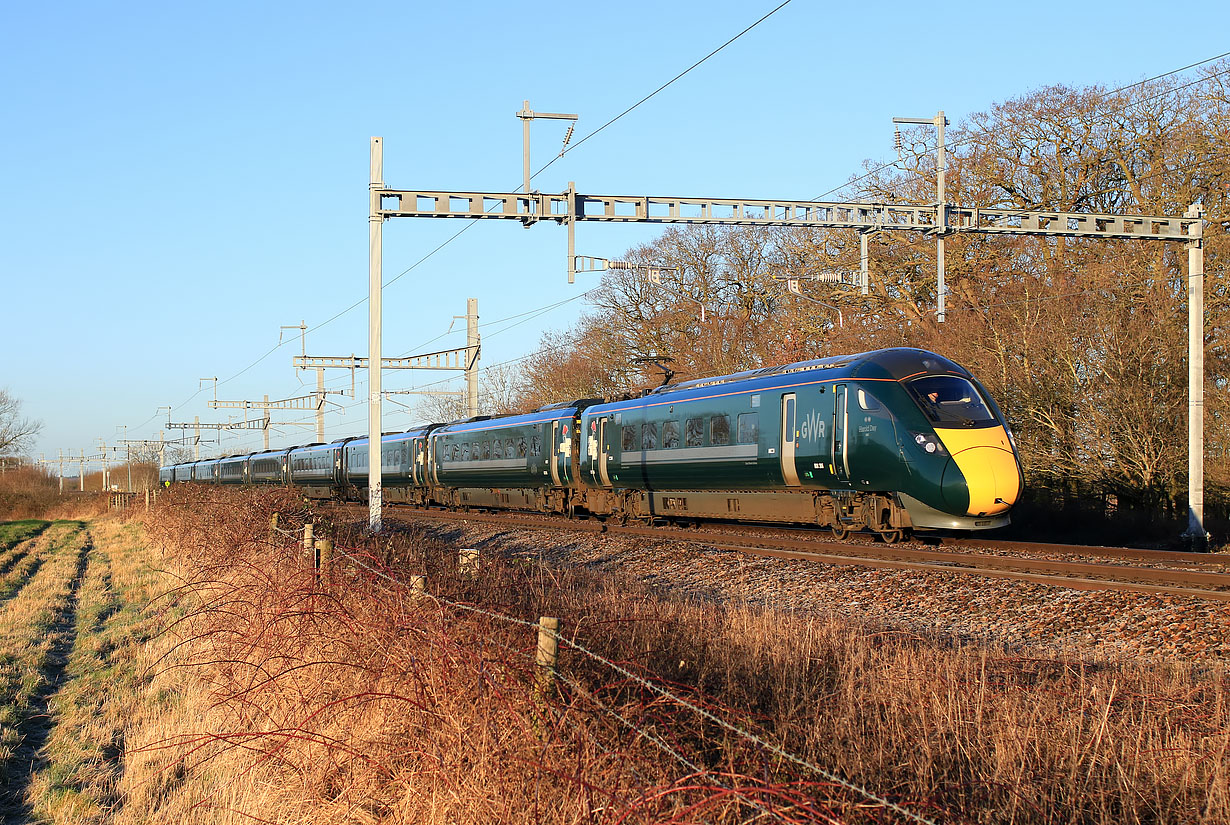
x=301, y=402
x=754, y=212
x=448, y=359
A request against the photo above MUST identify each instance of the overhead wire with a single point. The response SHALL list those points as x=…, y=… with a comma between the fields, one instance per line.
x=469, y=225
x=568, y=149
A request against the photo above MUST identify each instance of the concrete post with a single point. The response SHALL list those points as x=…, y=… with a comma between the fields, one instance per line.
x=547, y=656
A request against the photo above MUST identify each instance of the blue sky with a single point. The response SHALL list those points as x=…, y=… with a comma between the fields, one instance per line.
x=177, y=181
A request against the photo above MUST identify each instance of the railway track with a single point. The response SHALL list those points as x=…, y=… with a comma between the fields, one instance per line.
x=1195, y=575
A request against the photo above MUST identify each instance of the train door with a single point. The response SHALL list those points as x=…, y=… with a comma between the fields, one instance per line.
x=553, y=452
x=604, y=452
x=840, y=454
x=432, y=475
x=790, y=435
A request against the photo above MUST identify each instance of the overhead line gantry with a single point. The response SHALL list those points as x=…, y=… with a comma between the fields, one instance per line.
x=939, y=219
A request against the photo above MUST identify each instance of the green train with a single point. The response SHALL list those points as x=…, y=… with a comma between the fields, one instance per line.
x=890, y=441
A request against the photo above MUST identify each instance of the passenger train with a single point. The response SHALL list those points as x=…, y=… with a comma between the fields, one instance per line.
x=889, y=441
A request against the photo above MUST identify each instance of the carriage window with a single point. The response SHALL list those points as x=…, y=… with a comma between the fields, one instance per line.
x=694, y=432
x=719, y=430
x=867, y=401
x=649, y=436
x=521, y=448
x=508, y=449
x=497, y=449
x=465, y=451
x=629, y=438
x=749, y=428
x=536, y=444
x=670, y=434
x=486, y=450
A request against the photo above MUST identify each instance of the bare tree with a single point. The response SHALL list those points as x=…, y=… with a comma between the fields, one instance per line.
x=16, y=432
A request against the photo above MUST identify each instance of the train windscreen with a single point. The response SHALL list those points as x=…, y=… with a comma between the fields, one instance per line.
x=951, y=401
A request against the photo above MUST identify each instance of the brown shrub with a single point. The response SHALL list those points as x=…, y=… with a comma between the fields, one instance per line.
x=351, y=700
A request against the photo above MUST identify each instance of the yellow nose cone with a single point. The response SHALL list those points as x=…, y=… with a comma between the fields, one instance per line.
x=985, y=458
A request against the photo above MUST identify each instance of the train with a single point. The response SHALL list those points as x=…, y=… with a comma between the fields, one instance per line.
x=891, y=442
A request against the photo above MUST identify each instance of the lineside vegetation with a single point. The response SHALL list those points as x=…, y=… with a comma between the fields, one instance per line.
x=276, y=696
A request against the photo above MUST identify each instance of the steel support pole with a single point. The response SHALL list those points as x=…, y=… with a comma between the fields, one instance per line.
x=81, y=475
x=471, y=357
x=196, y=441
x=320, y=405
x=375, y=490
x=265, y=429
x=526, y=116
x=941, y=217
x=864, y=275
x=1196, y=533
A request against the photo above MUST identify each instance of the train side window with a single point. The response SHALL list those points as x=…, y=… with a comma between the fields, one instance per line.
x=508, y=449
x=670, y=434
x=719, y=430
x=867, y=401
x=749, y=428
x=465, y=452
x=629, y=438
x=649, y=436
x=536, y=444
x=486, y=450
x=521, y=448
x=694, y=432
x=497, y=449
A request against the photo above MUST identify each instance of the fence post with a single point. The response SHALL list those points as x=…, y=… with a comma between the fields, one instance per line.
x=147, y=498
x=467, y=561
x=273, y=529
x=418, y=587
x=308, y=543
x=324, y=558
x=548, y=654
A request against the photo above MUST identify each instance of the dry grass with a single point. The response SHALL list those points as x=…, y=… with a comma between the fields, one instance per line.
x=38, y=597
x=233, y=687
x=353, y=702
x=105, y=682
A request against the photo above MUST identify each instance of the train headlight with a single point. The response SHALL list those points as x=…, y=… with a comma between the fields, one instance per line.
x=930, y=443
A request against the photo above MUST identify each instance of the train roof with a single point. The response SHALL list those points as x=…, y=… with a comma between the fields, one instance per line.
x=896, y=363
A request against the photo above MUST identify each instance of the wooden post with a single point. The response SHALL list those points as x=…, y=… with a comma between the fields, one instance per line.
x=147, y=499
x=467, y=561
x=324, y=558
x=548, y=654
x=308, y=542
x=273, y=529
x=418, y=587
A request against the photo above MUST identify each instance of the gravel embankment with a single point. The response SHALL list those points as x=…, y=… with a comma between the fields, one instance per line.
x=1025, y=617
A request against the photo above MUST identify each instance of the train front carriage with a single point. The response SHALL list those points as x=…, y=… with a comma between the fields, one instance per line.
x=847, y=442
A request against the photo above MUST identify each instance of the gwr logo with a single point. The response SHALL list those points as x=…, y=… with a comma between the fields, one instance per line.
x=811, y=427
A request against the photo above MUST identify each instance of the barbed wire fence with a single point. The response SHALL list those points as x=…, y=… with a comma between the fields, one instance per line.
x=377, y=569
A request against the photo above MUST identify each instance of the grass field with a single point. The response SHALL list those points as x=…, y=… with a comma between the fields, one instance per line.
x=194, y=668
